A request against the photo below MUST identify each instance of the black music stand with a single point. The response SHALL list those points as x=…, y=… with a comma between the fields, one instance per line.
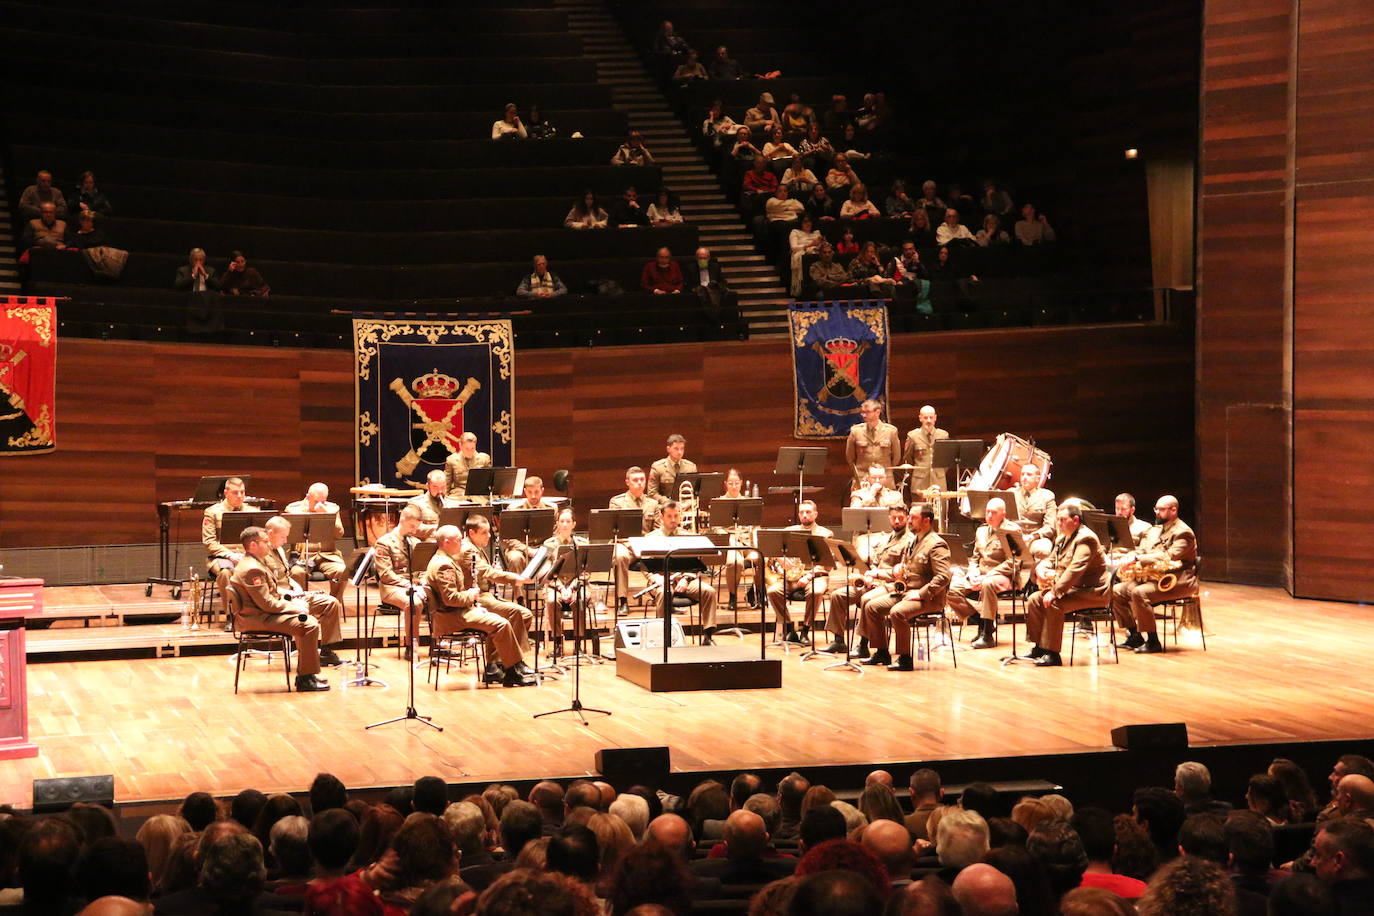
x=589, y=558
x=815, y=550
x=495, y=483
x=414, y=552
x=614, y=526
x=866, y=520
x=846, y=556
x=663, y=562
x=1110, y=528
x=773, y=544
x=734, y=513
x=359, y=571
x=232, y=524
x=706, y=486
x=312, y=528
x=800, y=460
x=958, y=454
x=530, y=526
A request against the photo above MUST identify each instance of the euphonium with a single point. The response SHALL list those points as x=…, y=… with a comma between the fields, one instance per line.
x=1161, y=572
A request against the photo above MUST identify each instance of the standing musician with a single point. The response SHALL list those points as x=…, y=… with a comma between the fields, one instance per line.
x=872, y=442
x=1125, y=507
x=401, y=586
x=430, y=502
x=687, y=584
x=813, y=584
x=312, y=621
x=1035, y=511
x=309, y=554
x=561, y=592
x=663, y=473
x=740, y=536
x=921, y=583
x=459, y=580
x=634, y=497
x=920, y=451
x=874, y=493
x=992, y=569
x=882, y=551
x=457, y=465
x=1079, y=581
x=221, y=559
x=517, y=553
x=1169, y=540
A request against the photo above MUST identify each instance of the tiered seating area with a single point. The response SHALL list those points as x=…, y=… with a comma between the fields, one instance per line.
x=346, y=153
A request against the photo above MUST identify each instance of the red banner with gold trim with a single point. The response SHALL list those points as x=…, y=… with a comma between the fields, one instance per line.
x=28, y=374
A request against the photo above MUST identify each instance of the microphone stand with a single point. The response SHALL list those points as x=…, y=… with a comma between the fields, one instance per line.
x=581, y=610
x=412, y=642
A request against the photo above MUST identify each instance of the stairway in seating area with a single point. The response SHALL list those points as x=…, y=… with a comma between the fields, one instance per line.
x=763, y=295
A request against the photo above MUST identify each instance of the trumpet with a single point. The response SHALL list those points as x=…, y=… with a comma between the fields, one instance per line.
x=1161, y=572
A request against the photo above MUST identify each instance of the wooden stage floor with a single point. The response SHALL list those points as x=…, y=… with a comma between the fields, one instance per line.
x=1276, y=669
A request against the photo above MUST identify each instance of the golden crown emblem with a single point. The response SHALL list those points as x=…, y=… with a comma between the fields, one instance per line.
x=841, y=345
x=435, y=385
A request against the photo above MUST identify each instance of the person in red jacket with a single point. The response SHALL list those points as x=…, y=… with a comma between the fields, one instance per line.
x=662, y=275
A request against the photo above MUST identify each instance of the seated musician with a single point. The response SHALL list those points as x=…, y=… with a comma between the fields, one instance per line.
x=874, y=493
x=689, y=584
x=992, y=569
x=400, y=586
x=330, y=563
x=459, y=579
x=736, y=561
x=920, y=586
x=811, y=584
x=561, y=592
x=517, y=553
x=634, y=497
x=882, y=551
x=458, y=464
x=312, y=619
x=663, y=473
x=290, y=576
x=430, y=502
x=1035, y=513
x=1074, y=578
x=1125, y=507
x=1169, y=540
x=220, y=558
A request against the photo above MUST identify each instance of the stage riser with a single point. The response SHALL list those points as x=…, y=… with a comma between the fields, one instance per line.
x=108, y=564
x=697, y=668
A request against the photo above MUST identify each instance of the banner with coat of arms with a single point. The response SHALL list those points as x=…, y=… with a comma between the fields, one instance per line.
x=28, y=375
x=839, y=360
x=422, y=384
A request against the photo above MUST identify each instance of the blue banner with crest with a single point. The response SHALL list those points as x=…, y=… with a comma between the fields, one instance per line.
x=839, y=360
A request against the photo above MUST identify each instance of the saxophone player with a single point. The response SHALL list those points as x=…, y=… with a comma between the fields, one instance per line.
x=813, y=583
x=920, y=587
x=882, y=551
x=1132, y=601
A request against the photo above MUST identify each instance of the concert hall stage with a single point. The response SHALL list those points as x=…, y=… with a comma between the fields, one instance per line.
x=1277, y=670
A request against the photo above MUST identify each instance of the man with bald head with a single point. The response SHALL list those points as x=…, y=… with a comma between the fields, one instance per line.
x=891, y=844
x=310, y=554
x=878, y=778
x=1035, y=508
x=746, y=858
x=430, y=503
x=1132, y=602
x=116, y=906
x=672, y=833
x=997, y=552
x=920, y=451
x=1355, y=796
x=982, y=890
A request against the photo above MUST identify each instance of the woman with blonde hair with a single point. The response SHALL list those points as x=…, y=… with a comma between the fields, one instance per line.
x=158, y=836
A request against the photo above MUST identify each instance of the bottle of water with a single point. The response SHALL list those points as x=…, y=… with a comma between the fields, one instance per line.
x=756, y=491
x=920, y=653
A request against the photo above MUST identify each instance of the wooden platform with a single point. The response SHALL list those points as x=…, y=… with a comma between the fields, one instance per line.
x=1277, y=669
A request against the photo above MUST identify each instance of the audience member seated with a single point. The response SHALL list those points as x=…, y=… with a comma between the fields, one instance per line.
x=241, y=280
x=628, y=212
x=46, y=229
x=661, y=275
x=510, y=127
x=539, y=128
x=827, y=276
x=899, y=204
x=196, y=275
x=88, y=196
x=690, y=69
x=85, y=234
x=41, y=192
x=798, y=178
x=782, y=207
x=819, y=204
x=853, y=145
x=951, y=230
x=838, y=115
x=763, y=117
x=707, y=282
x=797, y=117
x=668, y=43
x=1302, y=801
x=1265, y=796
x=1033, y=228
x=541, y=283
x=815, y=148
x=858, y=206
x=586, y=214
x=930, y=200
x=996, y=202
x=633, y=152
x=841, y=176
x=777, y=149
x=866, y=271
x=848, y=246
x=1193, y=786
x=664, y=211
x=759, y=182
x=719, y=127
x=725, y=67
x=982, y=890
x=746, y=859
x=991, y=235
x=804, y=240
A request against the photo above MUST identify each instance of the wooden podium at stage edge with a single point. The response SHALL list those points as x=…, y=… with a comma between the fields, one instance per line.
x=18, y=599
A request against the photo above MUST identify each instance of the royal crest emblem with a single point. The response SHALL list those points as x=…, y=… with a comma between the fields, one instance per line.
x=840, y=357
x=437, y=426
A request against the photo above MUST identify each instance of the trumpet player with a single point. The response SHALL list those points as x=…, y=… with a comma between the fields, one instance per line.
x=882, y=551
x=662, y=482
x=685, y=583
x=996, y=558
x=874, y=493
x=813, y=583
x=1134, y=596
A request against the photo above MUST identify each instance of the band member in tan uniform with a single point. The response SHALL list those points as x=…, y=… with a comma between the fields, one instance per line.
x=457, y=465
x=313, y=622
x=459, y=581
x=872, y=442
x=736, y=561
x=996, y=560
x=561, y=590
x=922, y=582
x=1170, y=539
x=634, y=497
x=430, y=502
x=1079, y=582
x=920, y=451
x=309, y=555
x=1035, y=511
x=814, y=584
x=517, y=553
x=663, y=473
x=400, y=586
x=882, y=551
x=1125, y=507
x=873, y=493
x=220, y=558
x=688, y=584
x=290, y=577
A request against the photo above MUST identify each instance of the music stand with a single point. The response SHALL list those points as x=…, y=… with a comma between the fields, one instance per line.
x=706, y=485
x=211, y=489
x=530, y=526
x=1110, y=528
x=495, y=483
x=309, y=528
x=958, y=454
x=457, y=516
x=691, y=552
x=734, y=513
x=414, y=553
x=978, y=503
x=773, y=544
x=815, y=550
x=800, y=460
x=589, y=558
x=865, y=520
x=231, y=524
x=848, y=557
x=359, y=571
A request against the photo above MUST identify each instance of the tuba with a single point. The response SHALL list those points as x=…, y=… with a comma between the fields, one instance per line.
x=1161, y=572
x=687, y=504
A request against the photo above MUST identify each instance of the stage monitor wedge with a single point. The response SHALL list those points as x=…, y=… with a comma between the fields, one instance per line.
x=51, y=796
x=1154, y=735
x=628, y=766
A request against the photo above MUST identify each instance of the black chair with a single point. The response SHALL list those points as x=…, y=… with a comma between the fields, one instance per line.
x=261, y=642
x=1091, y=617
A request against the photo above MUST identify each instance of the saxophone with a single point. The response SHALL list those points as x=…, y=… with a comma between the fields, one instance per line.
x=1161, y=572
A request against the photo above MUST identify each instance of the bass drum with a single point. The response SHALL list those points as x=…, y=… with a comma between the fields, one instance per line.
x=1002, y=465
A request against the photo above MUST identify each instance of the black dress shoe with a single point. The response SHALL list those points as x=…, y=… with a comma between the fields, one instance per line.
x=329, y=659
x=837, y=647
x=861, y=652
x=903, y=663
x=1133, y=640
x=309, y=683
x=514, y=678
x=707, y=636
x=1149, y=646
x=1037, y=652
x=733, y=603
x=881, y=657
x=523, y=668
x=1049, y=660
x=791, y=636
x=494, y=674
x=987, y=637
